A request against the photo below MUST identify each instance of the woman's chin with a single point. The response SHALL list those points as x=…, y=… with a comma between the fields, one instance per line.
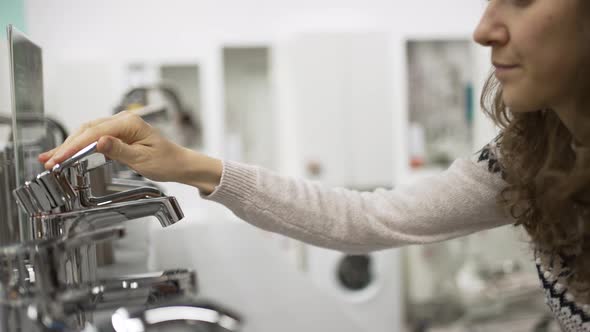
x=520, y=106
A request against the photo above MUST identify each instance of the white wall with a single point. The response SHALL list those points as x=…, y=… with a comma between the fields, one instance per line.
x=164, y=28
x=118, y=31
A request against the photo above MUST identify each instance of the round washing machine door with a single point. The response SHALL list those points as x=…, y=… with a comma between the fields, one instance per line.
x=353, y=278
x=355, y=272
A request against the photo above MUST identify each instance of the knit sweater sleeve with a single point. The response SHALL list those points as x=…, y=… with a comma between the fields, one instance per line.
x=457, y=202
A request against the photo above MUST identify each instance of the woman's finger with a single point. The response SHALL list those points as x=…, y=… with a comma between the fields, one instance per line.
x=129, y=128
x=115, y=149
x=45, y=156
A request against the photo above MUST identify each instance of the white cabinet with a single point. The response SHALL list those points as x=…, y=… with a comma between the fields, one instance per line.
x=250, y=131
x=336, y=95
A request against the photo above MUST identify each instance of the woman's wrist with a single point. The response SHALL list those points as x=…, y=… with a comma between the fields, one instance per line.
x=201, y=171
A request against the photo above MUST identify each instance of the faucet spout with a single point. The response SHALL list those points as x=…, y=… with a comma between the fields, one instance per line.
x=165, y=209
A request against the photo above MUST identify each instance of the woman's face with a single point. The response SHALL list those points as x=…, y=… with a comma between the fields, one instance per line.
x=538, y=51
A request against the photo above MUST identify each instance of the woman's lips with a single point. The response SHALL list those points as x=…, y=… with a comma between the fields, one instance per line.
x=504, y=70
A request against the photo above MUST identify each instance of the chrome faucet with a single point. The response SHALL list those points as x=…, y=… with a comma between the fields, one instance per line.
x=31, y=280
x=52, y=280
x=61, y=207
x=132, y=290
x=60, y=202
x=33, y=298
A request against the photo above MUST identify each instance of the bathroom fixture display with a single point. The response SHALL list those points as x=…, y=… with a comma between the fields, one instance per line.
x=48, y=262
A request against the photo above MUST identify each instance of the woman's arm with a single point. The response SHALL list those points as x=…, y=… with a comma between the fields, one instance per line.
x=459, y=201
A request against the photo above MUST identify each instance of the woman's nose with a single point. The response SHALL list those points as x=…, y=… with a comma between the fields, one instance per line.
x=491, y=30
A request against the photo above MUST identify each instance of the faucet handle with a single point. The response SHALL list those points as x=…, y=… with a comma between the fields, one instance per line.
x=88, y=154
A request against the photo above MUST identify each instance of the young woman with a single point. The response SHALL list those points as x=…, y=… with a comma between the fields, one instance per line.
x=535, y=174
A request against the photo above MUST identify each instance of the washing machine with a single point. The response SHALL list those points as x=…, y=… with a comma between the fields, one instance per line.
x=366, y=288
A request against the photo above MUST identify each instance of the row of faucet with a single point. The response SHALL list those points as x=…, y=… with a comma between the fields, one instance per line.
x=50, y=283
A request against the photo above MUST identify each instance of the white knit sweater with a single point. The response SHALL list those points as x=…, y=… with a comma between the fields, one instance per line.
x=460, y=201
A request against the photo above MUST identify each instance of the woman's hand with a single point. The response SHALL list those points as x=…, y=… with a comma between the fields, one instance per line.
x=125, y=137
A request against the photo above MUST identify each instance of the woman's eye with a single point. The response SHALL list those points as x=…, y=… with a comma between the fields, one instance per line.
x=522, y=3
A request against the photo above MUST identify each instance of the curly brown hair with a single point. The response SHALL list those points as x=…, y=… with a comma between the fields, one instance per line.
x=548, y=191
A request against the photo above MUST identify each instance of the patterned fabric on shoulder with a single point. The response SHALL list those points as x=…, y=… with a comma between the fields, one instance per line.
x=571, y=314
x=489, y=155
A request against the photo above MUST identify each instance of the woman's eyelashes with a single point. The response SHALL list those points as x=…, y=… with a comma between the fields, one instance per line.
x=519, y=3
x=522, y=3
